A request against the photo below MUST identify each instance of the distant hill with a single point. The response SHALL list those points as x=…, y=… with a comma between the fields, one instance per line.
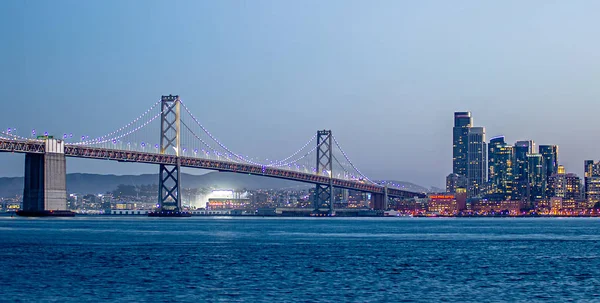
x=434, y=189
x=94, y=183
x=408, y=186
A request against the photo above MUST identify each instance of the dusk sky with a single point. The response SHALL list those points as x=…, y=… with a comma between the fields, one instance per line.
x=263, y=76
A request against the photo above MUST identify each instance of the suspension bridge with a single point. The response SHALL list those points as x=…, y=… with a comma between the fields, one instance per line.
x=169, y=135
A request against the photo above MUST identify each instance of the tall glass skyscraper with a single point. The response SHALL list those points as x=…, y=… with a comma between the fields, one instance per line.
x=460, y=133
x=477, y=162
x=500, y=170
x=536, y=169
x=520, y=172
x=591, y=182
x=550, y=157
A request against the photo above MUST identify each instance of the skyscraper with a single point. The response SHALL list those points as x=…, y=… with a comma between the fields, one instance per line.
x=460, y=132
x=477, y=162
x=557, y=183
x=536, y=185
x=520, y=164
x=591, y=182
x=566, y=186
x=550, y=157
x=573, y=187
x=500, y=170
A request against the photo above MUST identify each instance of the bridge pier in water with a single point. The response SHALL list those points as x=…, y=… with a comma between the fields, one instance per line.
x=45, y=185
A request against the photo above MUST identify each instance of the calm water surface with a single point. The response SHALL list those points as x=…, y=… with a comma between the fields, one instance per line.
x=132, y=259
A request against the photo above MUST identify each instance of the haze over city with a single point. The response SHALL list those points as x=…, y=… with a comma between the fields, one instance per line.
x=385, y=77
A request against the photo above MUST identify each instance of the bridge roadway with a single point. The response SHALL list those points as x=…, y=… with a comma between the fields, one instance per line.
x=78, y=151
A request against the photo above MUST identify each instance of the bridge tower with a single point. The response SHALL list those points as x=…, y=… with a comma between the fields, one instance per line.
x=169, y=193
x=324, y=197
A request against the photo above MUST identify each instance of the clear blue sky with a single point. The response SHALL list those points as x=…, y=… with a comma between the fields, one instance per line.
x=263, y=76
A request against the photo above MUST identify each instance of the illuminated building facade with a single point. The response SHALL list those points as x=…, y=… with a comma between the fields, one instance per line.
x=461, y=199
x=227, y=203
x=500, y=170
x=477, y=162
x=537, y=177
x=454, y=182
x=592, y=182
x=573, y=187
x=442, y=204
x=566, y=186
x=462, y=122
x=520, y=172
x=550, y=157
x=486, y=206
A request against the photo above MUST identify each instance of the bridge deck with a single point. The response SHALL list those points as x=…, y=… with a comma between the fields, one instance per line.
x=36, y=146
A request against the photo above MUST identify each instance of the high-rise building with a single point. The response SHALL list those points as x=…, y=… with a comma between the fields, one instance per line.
x=500, y=170
x=563, y=185
x=537, y=177
x=477, y=162
x=557, y=183
x=454, y=182
x=550, y=156
x=520, y=172
x=460, y=132
x=592, y=182
x=573, y=187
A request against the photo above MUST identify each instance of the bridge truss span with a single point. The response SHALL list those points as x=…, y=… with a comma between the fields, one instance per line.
x=185, y=142
x=225, y=166
x=78, y=151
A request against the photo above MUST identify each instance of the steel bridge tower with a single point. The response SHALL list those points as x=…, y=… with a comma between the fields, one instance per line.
x=324, y=197
x=169, y=193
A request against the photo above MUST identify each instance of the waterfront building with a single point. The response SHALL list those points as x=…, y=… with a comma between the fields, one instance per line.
x=414, y=205
x=227, y=203
x=500, y=170
x=461, y=199
x=442, y=204
x=513, y=207
x=462, y=122
x=520, y=173
x=454, y=181
x=477, y=162
x=550, y=157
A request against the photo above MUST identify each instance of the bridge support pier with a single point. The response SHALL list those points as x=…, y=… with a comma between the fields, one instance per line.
x=45, y=186
x=378, y=201
x=324, y=197
x=386, y=198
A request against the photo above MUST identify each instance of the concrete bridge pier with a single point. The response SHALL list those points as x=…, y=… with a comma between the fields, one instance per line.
x=377, y=201
x=380, y=201
x=46, y=179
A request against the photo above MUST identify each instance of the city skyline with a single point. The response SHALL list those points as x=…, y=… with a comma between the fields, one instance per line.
x=259, y=93
x=299, y=151
x=498, y=174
